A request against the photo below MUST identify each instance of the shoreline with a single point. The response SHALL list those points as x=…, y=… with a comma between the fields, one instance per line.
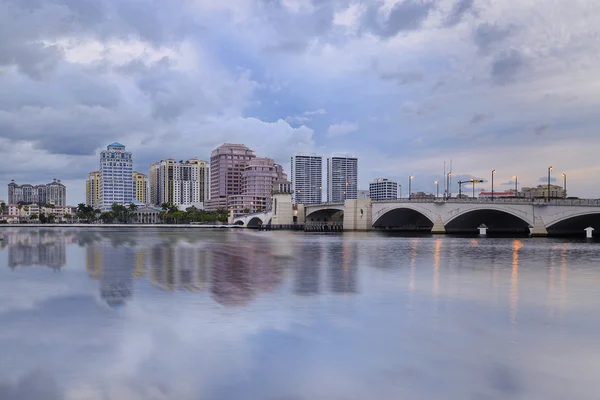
x=104, y=226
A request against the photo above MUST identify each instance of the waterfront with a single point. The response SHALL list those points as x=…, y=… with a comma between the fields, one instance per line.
x=231, y=314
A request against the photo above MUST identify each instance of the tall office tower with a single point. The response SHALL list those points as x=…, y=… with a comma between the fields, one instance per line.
x=116, y=176
x=307, y=178
x=140, y=187
x=383, y=189
x=92, y=189
x=179, y=183
x=342, y=178
x=227, y=164
x=52, y=193
x=257, y=186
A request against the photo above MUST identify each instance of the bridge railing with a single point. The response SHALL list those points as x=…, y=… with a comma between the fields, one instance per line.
x=552, y=201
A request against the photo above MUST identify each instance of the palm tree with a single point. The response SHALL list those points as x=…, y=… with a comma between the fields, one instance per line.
x=3, y=207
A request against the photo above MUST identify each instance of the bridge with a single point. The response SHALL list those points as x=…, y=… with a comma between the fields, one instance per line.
x=536, y=216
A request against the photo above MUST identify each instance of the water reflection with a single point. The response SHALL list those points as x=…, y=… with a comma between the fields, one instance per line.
x=343, y=259
x=44, y=248
x=176, y=340
x=514, y=281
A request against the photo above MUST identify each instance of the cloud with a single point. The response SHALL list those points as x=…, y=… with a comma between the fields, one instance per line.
x=544, y=179
x=507, y=66
x=480, y=118
x=306, y=116
x=488, y=35
x=459, y=10
x=402, y=77
x=541, y=129
x=320, y=111
x=341, y=129
x=406, y=15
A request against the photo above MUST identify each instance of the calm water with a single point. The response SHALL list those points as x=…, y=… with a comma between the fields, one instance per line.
x=193, y=314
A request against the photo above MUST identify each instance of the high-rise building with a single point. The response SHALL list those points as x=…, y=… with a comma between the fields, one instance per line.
x=257, y=186
x=52, y=193
x=140, y=187
x=227, y=164
x=383, y=189
x=307, y=178
x=179, y=183
x=342, y=178
x=92, y=189
x=116, y=176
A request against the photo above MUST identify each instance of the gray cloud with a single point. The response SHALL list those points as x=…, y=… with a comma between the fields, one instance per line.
x=544, y=179
x=459, y=10
x=479, y=118
x=405, y=16
x=403, y=77
x=541, y=129
x=487, y=36
x=37, y=385
x=507, y=66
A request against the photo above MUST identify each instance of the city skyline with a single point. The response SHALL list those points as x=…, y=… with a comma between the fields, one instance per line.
x=558, y=180
x=403, y=85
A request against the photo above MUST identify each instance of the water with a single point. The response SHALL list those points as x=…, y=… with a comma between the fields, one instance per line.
x=197, y=314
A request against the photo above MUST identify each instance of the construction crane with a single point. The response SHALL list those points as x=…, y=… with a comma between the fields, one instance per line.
x=473, y=181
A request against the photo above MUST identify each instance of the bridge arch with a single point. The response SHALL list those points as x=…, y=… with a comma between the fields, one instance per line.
x=575, y=224
x=326, y=214
x=496, y=219
x=404, y=218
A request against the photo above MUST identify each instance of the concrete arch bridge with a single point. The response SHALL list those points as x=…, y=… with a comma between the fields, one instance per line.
x=538, y=217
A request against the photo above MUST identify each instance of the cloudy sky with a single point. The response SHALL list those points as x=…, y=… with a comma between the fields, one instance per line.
x=510, y=85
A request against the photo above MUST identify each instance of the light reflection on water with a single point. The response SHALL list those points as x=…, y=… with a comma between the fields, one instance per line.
x=194, y=314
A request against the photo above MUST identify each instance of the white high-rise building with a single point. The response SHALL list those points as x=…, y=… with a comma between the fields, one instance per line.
x=342, y=178
x=307, y=178
x=116, y=176
x=383, y=189
x=182, y=184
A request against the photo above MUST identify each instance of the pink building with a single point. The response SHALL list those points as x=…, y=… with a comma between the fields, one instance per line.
x=257, y=186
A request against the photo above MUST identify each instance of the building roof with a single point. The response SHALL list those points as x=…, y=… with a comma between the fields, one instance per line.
x=116, y=144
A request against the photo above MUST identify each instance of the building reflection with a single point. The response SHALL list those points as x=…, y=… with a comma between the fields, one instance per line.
x=44, y=248
x=178, y=266
x=307, y=271
x=114, y=267
x=241, y=270
x=343, y=259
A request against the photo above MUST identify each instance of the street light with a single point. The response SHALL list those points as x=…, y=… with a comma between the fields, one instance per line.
x=493, y=173
x=564, y=184
x=410, y=178
x=437, y=189
x=516, y=178
x=549, y=170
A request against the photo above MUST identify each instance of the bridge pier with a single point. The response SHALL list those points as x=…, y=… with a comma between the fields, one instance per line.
x=539, y=228
x=438, y=226
x=358, y=215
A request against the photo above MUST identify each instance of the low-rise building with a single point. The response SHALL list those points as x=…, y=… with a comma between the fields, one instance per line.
x=541, y=191
x=422, y=196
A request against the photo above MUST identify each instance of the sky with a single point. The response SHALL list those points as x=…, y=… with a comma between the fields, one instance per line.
x=405, y=85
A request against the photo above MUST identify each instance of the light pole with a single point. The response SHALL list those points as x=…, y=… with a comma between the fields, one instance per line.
x=410, y=178
x=516, y=178
x=549, y=171
x=473, y=180
x=437, y=189
x=449, y=190
x=493, y=173
x=564, y=184
x=400, y=186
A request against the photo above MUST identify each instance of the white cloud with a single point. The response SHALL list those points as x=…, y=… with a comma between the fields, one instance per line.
x=341, y=129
